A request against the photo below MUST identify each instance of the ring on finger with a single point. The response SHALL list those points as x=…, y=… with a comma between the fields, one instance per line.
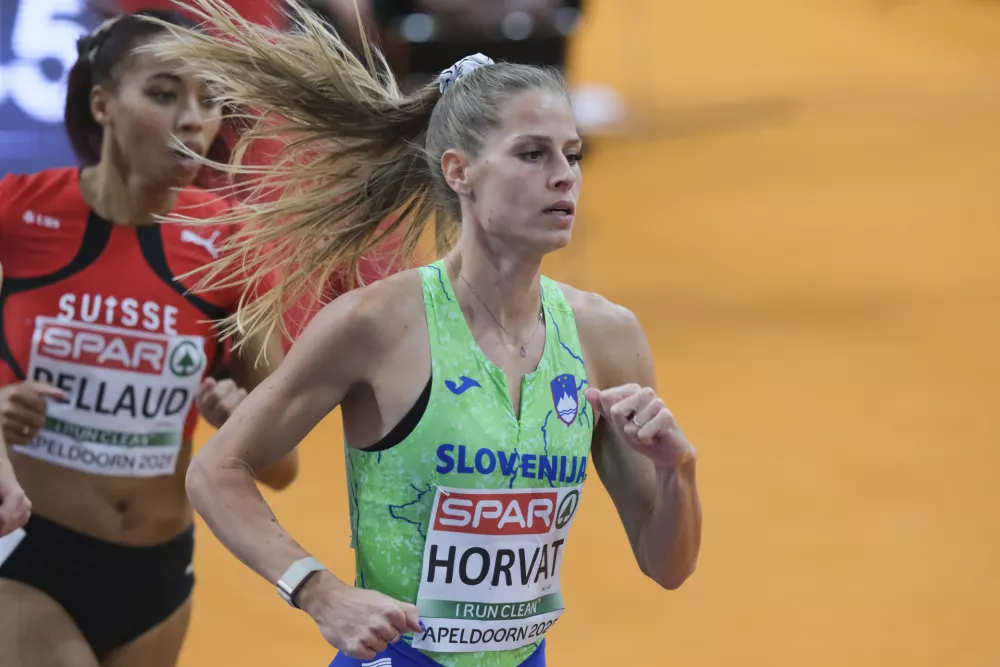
x=634, y=421
x=25, y=430
x=396, y=638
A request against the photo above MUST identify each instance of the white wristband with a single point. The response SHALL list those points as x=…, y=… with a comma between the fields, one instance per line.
x=295, y=578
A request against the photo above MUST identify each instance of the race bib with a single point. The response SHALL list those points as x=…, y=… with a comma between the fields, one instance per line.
x=128, y=392
x=492, y=560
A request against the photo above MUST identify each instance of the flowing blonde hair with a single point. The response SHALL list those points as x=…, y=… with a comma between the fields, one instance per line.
x=360, y=162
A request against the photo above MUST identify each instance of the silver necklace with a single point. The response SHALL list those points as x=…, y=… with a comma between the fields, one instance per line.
x=541, y=316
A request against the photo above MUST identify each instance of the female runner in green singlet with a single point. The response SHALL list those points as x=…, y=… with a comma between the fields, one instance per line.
x=476, y=393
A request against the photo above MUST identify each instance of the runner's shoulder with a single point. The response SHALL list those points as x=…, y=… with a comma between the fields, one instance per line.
x=599, y=317
x=611, y=337
x=40, y=198
x=43, y=220
x=15, y=186
x=376, y=317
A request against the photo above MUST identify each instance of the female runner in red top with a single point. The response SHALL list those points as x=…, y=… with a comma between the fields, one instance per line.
x=104, y=351
x=269, y=13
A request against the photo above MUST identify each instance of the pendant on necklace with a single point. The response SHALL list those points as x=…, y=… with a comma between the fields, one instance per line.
x=524, y=352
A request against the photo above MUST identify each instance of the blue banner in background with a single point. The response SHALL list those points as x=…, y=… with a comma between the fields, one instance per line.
x=37, y=50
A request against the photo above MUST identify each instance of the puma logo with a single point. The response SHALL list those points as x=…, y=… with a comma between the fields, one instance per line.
x=459, y=389
x=208, y=244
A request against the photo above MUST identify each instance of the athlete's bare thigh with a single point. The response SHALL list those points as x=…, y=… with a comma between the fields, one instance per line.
x=159, y=646
x=36, y=632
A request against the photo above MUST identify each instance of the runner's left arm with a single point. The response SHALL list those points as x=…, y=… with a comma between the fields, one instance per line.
x=647, y=465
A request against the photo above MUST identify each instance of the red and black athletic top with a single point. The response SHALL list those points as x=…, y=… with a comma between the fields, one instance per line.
x=63, y=261
x=265, y=12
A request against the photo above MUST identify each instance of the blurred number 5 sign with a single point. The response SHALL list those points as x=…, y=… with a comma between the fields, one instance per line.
x=43, y=37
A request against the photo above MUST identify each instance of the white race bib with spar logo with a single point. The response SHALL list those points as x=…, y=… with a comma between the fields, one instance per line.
x=128, y=391
x=491, y=569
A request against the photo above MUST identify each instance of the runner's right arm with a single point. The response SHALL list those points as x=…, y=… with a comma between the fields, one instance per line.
x=218, y=401
x=13, y=514
x=11, y=511
x=15, y=508
x=330, y=357
x=335, y=353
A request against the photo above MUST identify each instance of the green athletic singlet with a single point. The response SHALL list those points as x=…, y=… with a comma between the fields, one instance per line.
x=468, y=516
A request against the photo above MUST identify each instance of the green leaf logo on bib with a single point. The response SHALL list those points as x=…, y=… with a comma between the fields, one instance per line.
x=186, y=359
x=567, y=508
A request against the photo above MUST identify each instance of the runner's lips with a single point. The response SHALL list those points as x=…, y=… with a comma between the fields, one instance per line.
x=194, y=147
x=565, y=207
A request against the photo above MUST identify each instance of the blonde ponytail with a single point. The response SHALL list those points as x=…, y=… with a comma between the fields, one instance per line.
x=351, y=171
x=360, y=161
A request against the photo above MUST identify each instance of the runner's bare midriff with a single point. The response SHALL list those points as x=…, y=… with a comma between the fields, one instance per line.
x=124, y=510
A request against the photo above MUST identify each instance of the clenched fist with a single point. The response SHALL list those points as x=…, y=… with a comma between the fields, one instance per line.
x=642, y=420
x=23, y=407
x=357, y=622
x=218, y=400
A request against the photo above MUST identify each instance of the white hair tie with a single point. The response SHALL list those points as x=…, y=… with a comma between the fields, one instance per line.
x=461, y=68
x=92, y=43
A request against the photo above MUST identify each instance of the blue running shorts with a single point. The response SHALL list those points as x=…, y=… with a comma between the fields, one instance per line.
x=402, y=654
